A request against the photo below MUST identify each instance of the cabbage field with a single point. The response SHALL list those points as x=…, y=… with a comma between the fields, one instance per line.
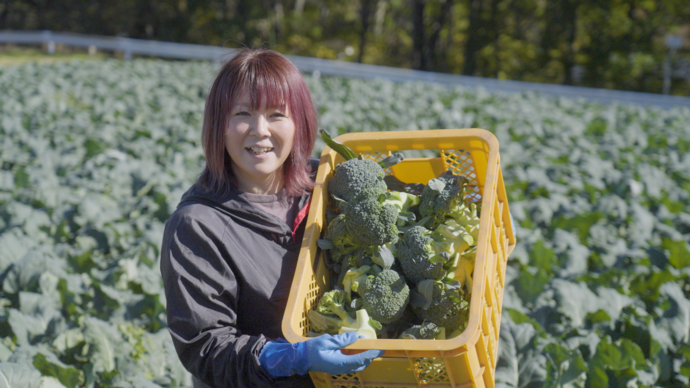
x=94, y=156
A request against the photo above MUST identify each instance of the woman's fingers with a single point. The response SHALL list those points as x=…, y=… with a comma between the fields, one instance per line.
x=342, y=340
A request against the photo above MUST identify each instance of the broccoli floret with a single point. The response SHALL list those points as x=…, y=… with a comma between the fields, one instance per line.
x=420, y=256
x=442, y=197
x=369, y=222
x=341, y=248
x=333, y=303
x=427, y=330
x=336, y=232
x=447, y=308
x=385, y=296
x=356, y=178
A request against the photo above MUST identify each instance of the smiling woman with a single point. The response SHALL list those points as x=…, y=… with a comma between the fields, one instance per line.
x=230, y=249
x=258, y=81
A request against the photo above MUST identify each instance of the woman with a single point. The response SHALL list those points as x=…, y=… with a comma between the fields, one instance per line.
x=230, y=249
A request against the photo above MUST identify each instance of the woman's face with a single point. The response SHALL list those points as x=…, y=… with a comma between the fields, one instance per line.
x=258, y=142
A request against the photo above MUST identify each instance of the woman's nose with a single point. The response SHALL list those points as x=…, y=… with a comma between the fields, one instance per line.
x=260, y=126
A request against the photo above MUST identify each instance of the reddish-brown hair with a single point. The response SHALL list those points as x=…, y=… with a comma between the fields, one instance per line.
x=273, y=81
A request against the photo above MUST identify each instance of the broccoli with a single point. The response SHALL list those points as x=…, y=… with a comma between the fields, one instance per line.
x=353, y=278
x=467, y=217
x=364, y=326
x=333, y=303
x=357, y=178
x=427, y=330
x=385, y=296
x=338, y=242
x=446, y=309
x=404, y=202
x=423, y=254
x=336, y=232
x=419, y=255
x=369, y=222
x=453, y=237
x=465, y=267
x=442, y=197
x=322, y=323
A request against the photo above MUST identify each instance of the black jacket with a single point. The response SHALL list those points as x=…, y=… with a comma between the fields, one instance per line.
x=227, y=269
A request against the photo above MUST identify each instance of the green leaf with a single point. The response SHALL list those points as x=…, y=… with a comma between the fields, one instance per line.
x=392, y=160
x=565, y=368
x=343, y=150
x=679, y=254
x=325, y=244
x=395, y=184
x=50, y=365
x=521, y=361
x=615, y=363
x=421, y=296
x=18, y=375
x=519, y=317
x=543, y=257
x=383, y=257
x=580, y=223
x=531, y=283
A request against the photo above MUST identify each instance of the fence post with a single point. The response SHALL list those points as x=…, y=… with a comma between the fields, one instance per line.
x=126, y=48
x=50, y=43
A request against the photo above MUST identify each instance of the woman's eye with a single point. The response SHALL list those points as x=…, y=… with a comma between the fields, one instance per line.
x=242, y=113
x=278, y=114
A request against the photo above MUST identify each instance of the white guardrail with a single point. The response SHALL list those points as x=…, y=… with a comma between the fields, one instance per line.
x=336, y=68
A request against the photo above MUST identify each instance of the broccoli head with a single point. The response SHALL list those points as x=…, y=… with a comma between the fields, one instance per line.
x=370, y=222
x=447, y=308
x=355, y=178
x=441, y=198
x=427, y=330
x=420, y=256
x=336, y=232
x=385, y=296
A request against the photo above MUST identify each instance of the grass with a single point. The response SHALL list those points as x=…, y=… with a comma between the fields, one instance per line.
x=19, y=55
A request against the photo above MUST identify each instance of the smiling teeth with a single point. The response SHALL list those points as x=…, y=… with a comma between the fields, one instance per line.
x=259, y=151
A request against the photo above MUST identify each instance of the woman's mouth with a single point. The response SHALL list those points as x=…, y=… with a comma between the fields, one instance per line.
x=259, y=150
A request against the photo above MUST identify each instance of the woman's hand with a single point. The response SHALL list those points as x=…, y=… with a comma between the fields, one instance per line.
x=325, y=356
x=320, y=354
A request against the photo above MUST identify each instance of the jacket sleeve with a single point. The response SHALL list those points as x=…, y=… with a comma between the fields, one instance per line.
x=201, y=292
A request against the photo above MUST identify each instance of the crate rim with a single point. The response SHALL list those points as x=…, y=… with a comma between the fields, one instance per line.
x=473, y=328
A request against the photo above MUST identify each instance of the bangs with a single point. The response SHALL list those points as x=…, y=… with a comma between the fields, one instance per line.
x=266, y=87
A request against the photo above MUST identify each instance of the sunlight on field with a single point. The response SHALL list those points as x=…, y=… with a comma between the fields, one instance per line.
x=21, y=55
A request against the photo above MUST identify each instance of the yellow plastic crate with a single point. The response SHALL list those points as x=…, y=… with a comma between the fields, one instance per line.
x=468, y=360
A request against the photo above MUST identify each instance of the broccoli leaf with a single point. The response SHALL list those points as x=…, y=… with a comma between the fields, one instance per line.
x=384, y=257
x=325, y=244
x=395, y=184
x=421, y=297
x=340, y=148
x=392, y=160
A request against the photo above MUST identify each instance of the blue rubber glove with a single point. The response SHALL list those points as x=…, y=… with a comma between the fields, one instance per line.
x=321, y=354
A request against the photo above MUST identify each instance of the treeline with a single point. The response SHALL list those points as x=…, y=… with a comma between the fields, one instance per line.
x=617, y=44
